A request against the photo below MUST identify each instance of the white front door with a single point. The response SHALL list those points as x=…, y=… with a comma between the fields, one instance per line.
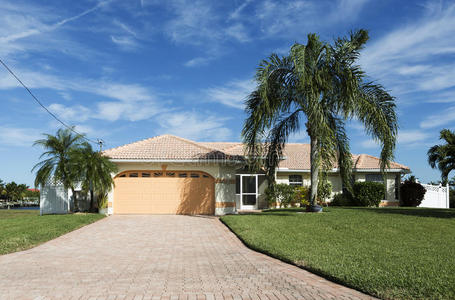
x=248, y=191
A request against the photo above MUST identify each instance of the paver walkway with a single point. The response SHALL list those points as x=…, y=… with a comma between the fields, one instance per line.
x=156, y=257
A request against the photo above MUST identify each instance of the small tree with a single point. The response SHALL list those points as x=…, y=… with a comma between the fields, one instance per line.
x=57, y=164
x=324, y=188
x=302, y=195
x=411, y=193
x=95, y=170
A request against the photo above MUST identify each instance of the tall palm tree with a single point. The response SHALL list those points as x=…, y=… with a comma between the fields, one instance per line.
x=57, y=164
x=443, y=156
x=321, y=86
x=95, y=171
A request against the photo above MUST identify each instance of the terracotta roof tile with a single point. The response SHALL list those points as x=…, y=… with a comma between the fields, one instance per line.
x=296, y=156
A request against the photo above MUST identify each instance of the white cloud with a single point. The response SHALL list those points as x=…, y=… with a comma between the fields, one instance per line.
x=412, y=137
x=198, y=61
x=416, y=57
x=195, y=126
x=439, y=119
x=125, y=42
x=294, y=18
x=21, y=32
x=195, y=22
x=405, y=138
x=236, y=14
x=131, y=111
x=12, y=136
x=70, y=113
x=239, y=32
x=232, y=94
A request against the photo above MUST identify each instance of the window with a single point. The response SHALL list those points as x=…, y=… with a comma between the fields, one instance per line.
x=397, y=186
x=183, y=175
x=237, y=184
x=295, y=180
x=205, y=176
x=134, y=175
x=123, y=175
x=157, y=174
x=170, y=174
x=374, y=178
x=145, y=174
x=194, y=175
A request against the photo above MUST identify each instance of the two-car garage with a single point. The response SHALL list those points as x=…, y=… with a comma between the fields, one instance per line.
x=164, y=192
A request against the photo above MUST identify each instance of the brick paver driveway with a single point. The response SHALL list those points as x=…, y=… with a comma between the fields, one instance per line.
x=156, y=257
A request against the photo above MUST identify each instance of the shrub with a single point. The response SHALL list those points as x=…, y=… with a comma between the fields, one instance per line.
x=302, y=195
x=102, y=200
x=411, y=193
x=368, y=193
x=324, y=189
x=283, y=194
x=341, y=200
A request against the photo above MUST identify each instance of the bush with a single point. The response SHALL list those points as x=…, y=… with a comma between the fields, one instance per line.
x=411, y=193
x=324, y=189
x=368, y=193
x=283, y=194
x=341, y=200
x=302, y=195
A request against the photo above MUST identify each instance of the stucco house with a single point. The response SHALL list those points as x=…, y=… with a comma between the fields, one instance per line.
x=171, y=175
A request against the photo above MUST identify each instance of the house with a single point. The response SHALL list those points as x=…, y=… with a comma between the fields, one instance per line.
x=171, y=175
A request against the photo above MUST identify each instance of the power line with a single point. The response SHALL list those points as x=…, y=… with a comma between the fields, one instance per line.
x=98, y=141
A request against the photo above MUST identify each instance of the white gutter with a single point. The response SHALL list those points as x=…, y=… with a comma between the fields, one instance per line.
x=175, y=161
x=334, y=170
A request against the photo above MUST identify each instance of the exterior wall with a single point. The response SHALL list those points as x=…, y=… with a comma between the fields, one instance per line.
x=337, y=187
x=224, y=180
x=225, y=198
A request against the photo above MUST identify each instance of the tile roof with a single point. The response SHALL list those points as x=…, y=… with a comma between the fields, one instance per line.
x=169, y=147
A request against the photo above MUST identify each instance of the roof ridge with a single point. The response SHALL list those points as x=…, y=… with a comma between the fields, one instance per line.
x=136, y=142
x=191, y=142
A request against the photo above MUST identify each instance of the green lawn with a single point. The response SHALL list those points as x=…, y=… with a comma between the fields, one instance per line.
x=392, y=253
x=24, y=229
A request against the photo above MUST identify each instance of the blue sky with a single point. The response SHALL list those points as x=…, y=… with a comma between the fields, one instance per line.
x=128, y=70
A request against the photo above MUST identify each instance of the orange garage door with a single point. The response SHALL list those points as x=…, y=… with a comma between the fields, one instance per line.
x=157, y=192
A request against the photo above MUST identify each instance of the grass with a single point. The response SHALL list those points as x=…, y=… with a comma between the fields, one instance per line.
x=24, y=229
x=391, y=253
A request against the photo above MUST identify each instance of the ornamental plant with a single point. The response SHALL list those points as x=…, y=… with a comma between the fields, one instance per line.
x=411, y=193
x=368, y=193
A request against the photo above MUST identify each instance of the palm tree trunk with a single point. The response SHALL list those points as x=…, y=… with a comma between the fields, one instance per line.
x=314, y=161
x=92, y=209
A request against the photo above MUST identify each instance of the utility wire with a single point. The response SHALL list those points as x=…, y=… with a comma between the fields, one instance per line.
x=98, y=141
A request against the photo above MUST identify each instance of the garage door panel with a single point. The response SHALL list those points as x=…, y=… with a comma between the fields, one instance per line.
x=164, y=195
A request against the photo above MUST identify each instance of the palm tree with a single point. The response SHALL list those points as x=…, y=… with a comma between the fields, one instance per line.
x=321, y=83
x=58, y=165
x=443, y=156
x=95, y=171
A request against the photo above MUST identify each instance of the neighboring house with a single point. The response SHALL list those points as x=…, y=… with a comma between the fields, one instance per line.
x=171, y=175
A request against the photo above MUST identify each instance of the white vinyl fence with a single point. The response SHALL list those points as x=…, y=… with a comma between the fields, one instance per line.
x=437, y=196
x=54, y=199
